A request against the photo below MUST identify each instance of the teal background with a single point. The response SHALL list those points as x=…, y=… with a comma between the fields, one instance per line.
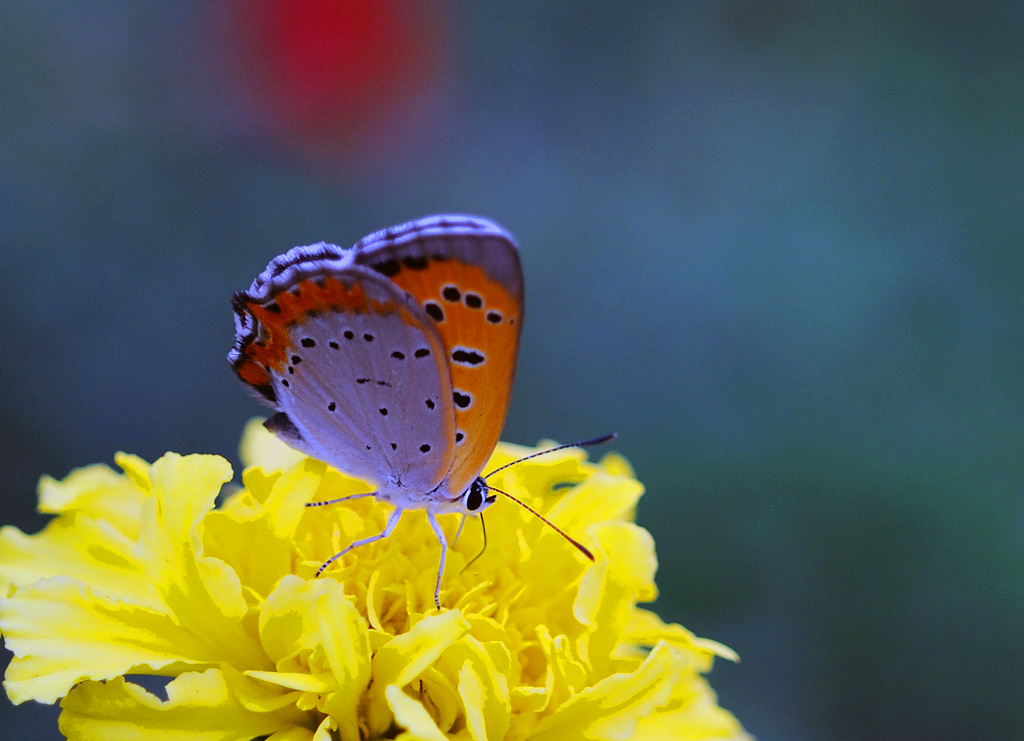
x=775, y=246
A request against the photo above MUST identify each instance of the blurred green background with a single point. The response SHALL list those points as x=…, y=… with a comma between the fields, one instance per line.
x=775, y=246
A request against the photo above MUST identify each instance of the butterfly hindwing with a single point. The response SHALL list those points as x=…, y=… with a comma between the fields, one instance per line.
x=353, y=365
x=464, y=274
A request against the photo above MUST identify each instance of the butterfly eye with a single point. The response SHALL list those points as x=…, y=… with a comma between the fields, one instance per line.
x=474, y=498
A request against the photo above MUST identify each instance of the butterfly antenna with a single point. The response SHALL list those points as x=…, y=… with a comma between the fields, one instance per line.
x=580, y=444
x=579, y=546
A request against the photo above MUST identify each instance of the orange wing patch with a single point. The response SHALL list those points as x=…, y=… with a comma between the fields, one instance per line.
x=478, y=320
x=268, y=349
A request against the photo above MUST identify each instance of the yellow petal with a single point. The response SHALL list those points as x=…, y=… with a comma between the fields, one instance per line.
x=484, y=692
x=301, y=681
x=290, y=623
x=403, y=658
x=204, y=594
x=526, y=701
x=260, y=447
x=199, y=707
x=406, y=655
x=97, y=552
x=645, y=628
x=136, y=470
x=62, y=632
x=301, y=616
x=564, y=674
x=323, y=731
x=412, y=716
x=611, y=588
x=600, y=498
x=437, y=693
x=347, y=647
x=552, y=565
x=612, y=708
x=616, y=465
x=374, y=601
x=295, y=733
x=699, y=719
x=98, y=491
x=258, y=542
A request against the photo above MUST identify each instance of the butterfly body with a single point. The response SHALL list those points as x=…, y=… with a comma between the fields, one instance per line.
x=393, y=360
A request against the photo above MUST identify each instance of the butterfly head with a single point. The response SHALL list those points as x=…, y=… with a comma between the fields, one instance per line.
x=477, y=497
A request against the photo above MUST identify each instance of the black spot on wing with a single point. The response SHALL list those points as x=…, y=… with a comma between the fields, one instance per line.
x=467, y=357
x=434, y=311
x=267, y=392
x=389, y=268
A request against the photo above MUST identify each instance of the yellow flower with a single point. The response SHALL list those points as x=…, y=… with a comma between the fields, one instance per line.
x=140, y=573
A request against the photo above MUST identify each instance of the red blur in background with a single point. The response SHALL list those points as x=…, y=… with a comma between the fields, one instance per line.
x=346, y=85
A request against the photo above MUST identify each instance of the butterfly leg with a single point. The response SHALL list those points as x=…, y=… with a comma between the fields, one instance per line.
x=444, y=554
x=392, y=522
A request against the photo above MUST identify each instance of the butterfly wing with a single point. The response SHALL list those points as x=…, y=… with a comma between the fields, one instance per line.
x=464, y=274
x=352, y=364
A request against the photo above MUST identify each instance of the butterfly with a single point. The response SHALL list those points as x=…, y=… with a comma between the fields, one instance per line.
x=392, y=361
